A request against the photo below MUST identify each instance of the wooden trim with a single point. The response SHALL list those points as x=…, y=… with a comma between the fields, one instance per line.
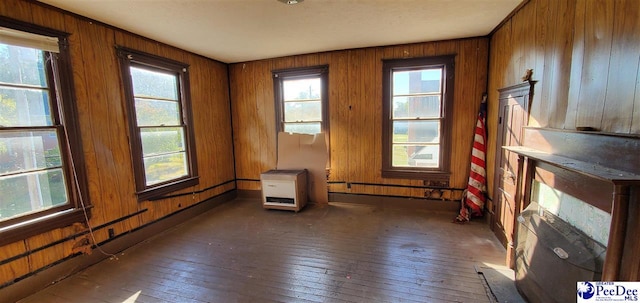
x=617, y=233
x=12, y=233
x=67, y=238
x=439, y=174
x=193, y=192
x=32, y=28
x=72, y=127
x=508, y=96
x=38, y=279
x=584, y=188
x=508, y=17
x=250, y=194
x=321, y=71
x=64, y=114
x=396, y=202
x=401, y=185
x=128, y=58
x=618, y=151
x=621, y=252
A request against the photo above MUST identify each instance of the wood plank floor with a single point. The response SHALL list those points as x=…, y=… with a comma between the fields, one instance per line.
x=239, y=252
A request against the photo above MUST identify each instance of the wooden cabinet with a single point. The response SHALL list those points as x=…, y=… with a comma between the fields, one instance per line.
x=513, y=115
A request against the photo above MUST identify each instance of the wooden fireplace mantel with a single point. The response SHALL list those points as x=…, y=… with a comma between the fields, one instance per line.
x=565, y=152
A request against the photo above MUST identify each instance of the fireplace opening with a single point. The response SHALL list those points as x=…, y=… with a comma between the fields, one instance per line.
x=552, y=256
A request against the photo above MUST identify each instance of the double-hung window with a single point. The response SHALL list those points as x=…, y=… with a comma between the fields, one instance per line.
x=161, y=134
x=301, y=100
x=42, y=181
x=417, y=109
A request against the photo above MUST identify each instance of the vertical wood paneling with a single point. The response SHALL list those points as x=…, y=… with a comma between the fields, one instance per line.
x=17, y=9
x=623, y=67
x=462, y=132
x=564, y=14
x=598, y=37
x=82, y=88
x=357, y=131
x=497, y=62
x=46, y=17
x=265, y=116
x=577, y=64
x=99, y=101
x=544, y=29
x=16, y=268
x=635, y=126
x=104, y=108
x=47, y=256
x=587, y=64
x=589, y=54
x=339, y=108
x=355, y=111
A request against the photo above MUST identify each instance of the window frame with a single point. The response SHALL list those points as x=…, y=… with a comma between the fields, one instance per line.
x=279, y=76
x=132, y=58
x=64, y=116
x=442, y=173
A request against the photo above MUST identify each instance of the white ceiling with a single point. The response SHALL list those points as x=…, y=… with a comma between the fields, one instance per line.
x=244, y=30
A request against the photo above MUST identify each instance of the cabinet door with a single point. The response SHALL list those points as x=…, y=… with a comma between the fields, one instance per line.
x=513, y=115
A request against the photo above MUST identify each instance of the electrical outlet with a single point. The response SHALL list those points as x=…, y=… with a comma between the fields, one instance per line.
x=112, y=233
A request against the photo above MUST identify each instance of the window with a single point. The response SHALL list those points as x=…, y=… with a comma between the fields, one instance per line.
x=301, y=100
x=161, y=136
x=39, y=141
x=417, y=108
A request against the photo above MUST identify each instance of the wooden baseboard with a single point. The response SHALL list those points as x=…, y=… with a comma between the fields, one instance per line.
x=73, y=264
x=396, y=202
x=249, y=194
x=375, y=200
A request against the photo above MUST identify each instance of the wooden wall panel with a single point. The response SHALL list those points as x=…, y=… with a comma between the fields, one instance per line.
x=563, y=18
x=105, y=106
x=104, y=136
x=585, y=59
x=16, y=268
x=355, y=112
x=597, y=45
x=577, y=59
x=339, y=115
x=623, y=67
x=544, y=37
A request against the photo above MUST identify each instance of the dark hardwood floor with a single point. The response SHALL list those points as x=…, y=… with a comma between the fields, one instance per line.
x=239, y=252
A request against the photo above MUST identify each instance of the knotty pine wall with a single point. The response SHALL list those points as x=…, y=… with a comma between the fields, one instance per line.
x=104, y=133
x=586, y=58
x=355, y=113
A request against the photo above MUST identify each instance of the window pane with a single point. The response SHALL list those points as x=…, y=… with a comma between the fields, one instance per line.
x=416, y=131
x=302, y=128
x=302, y=111
x=162, y=168
x=416, y=156
x=157, y=112
x=303, y=89
x=22, y=65
x=24, y=107
x=417, y=81
x=25, y=151
x=161, y=140
x=37, y=191
x=416, y=107
x=154, y=84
